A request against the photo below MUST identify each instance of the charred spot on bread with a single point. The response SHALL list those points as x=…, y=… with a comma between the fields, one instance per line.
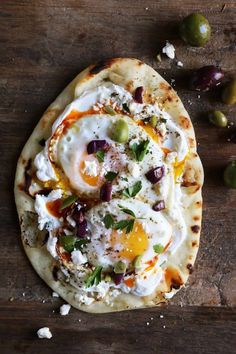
x=195, y=228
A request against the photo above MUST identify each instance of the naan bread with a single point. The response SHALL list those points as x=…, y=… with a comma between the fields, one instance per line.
x=128, y=73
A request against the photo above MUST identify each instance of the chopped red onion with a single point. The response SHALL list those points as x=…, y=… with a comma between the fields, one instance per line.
x=155, y=174
x=106, y=192
x=118, y=278
x=138, y=95
x=160, y=205
x=96, y=145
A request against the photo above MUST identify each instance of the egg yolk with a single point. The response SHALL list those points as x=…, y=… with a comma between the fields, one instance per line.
x=91, y=180
x=179, y=167
x=149, y=130
x=133, y=244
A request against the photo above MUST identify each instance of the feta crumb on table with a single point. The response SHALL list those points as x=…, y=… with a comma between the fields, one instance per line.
x=65, y=309
x=44, y=332
x=169, y=50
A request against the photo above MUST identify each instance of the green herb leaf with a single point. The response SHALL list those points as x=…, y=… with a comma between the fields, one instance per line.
x=133, y=190
x=80, y=243
x=125, y=107
x=100, y=155
x=163, y=120
x=140, y=150
x=111, y=175
x=158, y=248
x=95, y=277
x=68, y=242
x=124, y=179
x=126, y=210
x=108, y=221
x=68, y=201
x=124, y=224
x=109, y=110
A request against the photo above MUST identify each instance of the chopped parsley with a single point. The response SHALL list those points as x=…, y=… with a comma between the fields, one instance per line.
x=95, y=277
x=127, y=211
x=111, y=175
x=108, y=221
x=100, y=155
x=68, y=201
x=125, y=107
x=140, y=150
x=133, y=190
x=124, y=224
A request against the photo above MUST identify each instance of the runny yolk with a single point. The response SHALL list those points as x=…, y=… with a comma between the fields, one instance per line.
x=150, y=130
x=91, y=180
x=133, y=244
x=179, y=168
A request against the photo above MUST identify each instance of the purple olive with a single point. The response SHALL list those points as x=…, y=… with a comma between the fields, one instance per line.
x=96, y=145
x=118, y=278
x=206, y=77
x=155, y=174
x=81, y=229
x=160, y=205
x=106, y=192
x=138, y=94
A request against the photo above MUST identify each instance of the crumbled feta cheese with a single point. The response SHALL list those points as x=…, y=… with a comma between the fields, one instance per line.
x=44, y=332
x=84, y=299
x=169, y=50
x=134, y=169
x=45, y=171
x=45, y=218
x=71, y=221
x=171, y=157
x=162, y=129
x=180, y=64
x=54, y=294
x=65, y=309
x=78, y=258
x=51, y=245
x=90, y=168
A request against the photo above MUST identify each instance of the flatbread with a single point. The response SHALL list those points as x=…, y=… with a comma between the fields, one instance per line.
x=128, y=73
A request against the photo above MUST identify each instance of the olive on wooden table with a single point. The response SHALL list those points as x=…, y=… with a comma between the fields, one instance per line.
x=195, y=30
x=230, y=175
x=206, y=77
x=218, y=118
x=229, y=93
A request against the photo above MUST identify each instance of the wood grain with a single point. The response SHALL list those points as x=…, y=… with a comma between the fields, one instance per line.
x=44, y=44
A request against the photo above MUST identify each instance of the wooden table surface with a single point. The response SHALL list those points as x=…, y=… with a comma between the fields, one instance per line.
x=44, y=44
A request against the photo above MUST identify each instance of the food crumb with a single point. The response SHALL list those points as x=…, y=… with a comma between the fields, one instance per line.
x=146, y=8
x=148, y=323
x=44, y=332
x=180, y=64
x=169, y=50
x=65, y=309
x=151, y=318
x=161, y=316
x=164, y=326
x=43, y=301
x=11, y=299
x=54, y=294
x=23, y=294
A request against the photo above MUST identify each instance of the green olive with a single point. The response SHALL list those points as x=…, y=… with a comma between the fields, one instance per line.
x=195, y=30
x=230, y=175
x=137, y=262
x=120, y=131
x=229, y=93
x=218, y=118
x=120, y=267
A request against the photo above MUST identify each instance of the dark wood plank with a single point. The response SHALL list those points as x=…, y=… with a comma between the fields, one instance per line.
x=191, y=329
x=44, y=44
